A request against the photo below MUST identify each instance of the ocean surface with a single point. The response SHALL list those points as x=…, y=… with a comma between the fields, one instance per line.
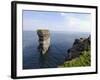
x=60, y=43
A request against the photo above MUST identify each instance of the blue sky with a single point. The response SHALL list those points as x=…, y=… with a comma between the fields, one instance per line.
x=56, y=21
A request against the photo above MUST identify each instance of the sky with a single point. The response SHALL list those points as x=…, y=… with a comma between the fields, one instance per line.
x=56, y=21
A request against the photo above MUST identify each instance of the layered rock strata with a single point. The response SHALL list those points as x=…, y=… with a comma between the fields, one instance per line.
x=44, y=40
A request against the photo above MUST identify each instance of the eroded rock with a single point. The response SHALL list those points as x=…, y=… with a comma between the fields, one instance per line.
x=44, y=40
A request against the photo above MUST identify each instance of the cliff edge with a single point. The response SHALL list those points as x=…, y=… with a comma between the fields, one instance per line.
x=79, y=45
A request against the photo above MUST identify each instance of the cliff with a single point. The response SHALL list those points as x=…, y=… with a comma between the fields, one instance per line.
x=79, y=54
x=79, y=45
x=82, y=60
x=44, y=40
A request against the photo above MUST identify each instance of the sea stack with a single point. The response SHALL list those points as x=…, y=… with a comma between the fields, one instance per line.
x=44, y=40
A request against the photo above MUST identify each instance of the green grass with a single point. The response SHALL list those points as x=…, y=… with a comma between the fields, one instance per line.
x=83, y=60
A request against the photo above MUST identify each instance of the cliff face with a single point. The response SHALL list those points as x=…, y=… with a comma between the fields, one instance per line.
x=44, y=40
x=79, y=45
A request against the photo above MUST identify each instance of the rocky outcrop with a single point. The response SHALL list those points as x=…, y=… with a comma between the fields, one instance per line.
x=79, y=45
x=44, y=40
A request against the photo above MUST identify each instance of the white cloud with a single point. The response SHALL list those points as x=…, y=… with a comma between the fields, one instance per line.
x=70, y=22
x=76, y=24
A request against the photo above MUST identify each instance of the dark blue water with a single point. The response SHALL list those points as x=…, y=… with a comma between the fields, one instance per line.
x=60, y=43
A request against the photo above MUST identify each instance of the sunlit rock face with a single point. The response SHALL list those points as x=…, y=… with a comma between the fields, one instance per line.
x=44, y=40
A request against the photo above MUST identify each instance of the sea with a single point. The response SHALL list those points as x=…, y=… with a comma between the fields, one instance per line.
x=60, y=42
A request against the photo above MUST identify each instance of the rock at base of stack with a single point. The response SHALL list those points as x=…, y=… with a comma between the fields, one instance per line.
x=44, y=40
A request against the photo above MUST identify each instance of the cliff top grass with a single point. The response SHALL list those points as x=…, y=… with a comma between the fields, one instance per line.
x=82, y=60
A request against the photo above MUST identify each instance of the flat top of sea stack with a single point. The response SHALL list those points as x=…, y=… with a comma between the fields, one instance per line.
x=43, y=31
